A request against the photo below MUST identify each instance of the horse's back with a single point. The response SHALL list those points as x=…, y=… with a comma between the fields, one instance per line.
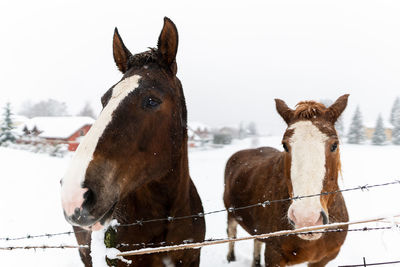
x=253, y=157
x=246, y=169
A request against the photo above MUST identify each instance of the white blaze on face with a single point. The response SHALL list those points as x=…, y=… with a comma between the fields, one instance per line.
x=307, y=171
x=72, y=191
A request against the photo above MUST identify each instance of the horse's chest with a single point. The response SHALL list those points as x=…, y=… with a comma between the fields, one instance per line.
x=303, y=251
x=296, y=250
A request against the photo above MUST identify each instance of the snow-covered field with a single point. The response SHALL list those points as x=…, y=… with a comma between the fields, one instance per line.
x=30, y=204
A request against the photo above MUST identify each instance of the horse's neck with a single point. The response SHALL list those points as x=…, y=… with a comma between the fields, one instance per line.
x=162, y=197
x=178, y=179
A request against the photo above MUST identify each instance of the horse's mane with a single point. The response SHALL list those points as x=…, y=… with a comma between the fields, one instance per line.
x=308, y=110
x=150, y=56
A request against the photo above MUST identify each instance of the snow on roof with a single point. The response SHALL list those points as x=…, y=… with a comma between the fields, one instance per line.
x=194, y=126
x=58, y=127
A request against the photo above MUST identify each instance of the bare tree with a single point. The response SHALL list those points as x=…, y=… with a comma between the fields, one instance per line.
x=49, y=107
x=87, y=110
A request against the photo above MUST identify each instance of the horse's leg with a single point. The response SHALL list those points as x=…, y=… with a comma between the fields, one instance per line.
x=84, y=238
x=232, y=229
x=324, y=261
x=256, y=253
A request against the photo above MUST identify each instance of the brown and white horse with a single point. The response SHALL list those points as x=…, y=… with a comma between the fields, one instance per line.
x=133, y=163
x=309, y=164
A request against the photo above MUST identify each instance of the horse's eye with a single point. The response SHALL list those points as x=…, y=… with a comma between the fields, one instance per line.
x=152, y=102
x=285, y=147
x=334, y=147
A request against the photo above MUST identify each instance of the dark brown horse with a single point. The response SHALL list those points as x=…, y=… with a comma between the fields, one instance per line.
x=133, y=163
x=309, y=165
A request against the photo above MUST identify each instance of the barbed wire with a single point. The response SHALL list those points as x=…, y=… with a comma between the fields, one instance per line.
x=370, y=264
x=334, y=227
x=44, y=247
x=148, y=245
x=264, y=204
x=260, y=204
x=35, y=236
x=144, y=245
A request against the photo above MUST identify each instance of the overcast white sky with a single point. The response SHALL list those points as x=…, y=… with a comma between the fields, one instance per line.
x=234, y=57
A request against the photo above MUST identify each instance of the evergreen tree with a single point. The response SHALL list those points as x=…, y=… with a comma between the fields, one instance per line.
x=395, y=108
x=6, y=128
x=396, y=129
x=356, y=134
x=379, y=136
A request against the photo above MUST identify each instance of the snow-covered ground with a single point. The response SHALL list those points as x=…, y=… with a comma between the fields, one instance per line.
x=30, y=204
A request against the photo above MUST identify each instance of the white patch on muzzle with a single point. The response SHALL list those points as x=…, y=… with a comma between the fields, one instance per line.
x=71, y=190
x=307, y=170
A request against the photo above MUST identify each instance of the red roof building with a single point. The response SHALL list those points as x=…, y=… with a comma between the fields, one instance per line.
x=59, y=130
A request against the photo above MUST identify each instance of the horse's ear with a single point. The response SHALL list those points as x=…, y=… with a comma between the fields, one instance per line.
x=283, y=110
x=121, y=53
x=335, y=110
x=168, y=44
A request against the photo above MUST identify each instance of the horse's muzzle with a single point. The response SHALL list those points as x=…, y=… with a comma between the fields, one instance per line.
x=304, y=221
x=85, y=219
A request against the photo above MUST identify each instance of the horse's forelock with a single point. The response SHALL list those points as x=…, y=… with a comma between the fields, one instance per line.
x=309, y=110
x=147, y=57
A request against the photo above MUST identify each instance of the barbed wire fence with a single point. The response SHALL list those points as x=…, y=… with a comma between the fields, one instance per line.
x=264, y=204
x=145, y=248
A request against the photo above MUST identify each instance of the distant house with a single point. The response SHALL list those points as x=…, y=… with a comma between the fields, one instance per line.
x=198, y=133
x=370, y=129
x=57, y=130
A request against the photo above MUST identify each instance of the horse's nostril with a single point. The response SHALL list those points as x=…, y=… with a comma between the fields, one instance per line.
x=89, y=197
x=61, y=181
x=77, y=212
x=292, y=217
x=325, y=219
